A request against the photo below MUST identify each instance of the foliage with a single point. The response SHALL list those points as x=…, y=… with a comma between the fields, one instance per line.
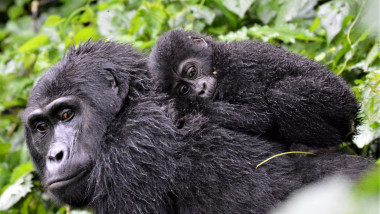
x=34, y=34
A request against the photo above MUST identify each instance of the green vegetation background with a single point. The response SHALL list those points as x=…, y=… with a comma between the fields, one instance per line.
x=342, y=34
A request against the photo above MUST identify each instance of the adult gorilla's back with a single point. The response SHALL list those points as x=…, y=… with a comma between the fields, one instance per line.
x=98, y=137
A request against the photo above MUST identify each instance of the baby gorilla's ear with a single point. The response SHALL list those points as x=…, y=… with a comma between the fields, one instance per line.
x=199, y=40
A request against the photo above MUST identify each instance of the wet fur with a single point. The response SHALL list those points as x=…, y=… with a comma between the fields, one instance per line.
x=144, y=164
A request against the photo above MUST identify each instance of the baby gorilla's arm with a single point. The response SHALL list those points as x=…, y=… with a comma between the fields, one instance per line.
x=249, y=118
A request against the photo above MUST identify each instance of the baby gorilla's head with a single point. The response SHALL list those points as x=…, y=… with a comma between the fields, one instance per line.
x=181, y=63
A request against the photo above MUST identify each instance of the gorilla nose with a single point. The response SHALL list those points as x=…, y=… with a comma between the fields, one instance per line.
x=56, y=155
x=203, y=90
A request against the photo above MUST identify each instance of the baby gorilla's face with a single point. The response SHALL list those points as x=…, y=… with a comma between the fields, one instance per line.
x=193, y=79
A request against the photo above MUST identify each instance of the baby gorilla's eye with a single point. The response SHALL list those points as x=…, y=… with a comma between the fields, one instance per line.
x=42, y=127
x=192, y=72
x=67, y=115
x=183, y=89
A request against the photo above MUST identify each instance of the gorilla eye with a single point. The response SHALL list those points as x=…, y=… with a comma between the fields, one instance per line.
x=191, y=72
x=42, y=127
x=183, y=89
x=67, y=115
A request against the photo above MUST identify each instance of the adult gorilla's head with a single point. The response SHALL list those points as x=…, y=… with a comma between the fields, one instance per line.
x=71, y=107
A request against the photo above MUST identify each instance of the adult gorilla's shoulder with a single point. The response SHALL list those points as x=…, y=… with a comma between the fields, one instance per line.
x=98, y=137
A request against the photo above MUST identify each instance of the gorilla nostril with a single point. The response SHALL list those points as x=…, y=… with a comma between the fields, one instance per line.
x=57, y=157
x=204, y=85
x=201, y=92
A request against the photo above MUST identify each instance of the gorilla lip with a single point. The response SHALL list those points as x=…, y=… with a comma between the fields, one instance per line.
x=64, y=181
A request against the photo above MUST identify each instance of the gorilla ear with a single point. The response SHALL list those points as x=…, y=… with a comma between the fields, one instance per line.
x=112, y=80
x=199, y=40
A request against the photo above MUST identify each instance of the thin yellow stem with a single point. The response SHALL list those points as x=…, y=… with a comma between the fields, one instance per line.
x=285, y=153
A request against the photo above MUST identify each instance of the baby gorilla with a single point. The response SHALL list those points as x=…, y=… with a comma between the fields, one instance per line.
x=256, y=88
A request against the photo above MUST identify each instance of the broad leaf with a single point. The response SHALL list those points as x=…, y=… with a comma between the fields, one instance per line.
x=286, y=33
x=203, y=13
x=85, y=34
x=16, y=191
x=332, y=15
x=54, y=20
x=35, y=43
x=373, y=53
x=371, y=103
x=365, y=135
x=239, y=7
x=295, y=8
x=21, y=170
x=154, y=16
x=267, y=10
x=238, y=35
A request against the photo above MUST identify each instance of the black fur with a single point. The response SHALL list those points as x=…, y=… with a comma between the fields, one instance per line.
x=140, y=162
x=261, y=89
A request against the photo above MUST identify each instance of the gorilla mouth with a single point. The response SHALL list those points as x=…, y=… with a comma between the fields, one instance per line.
x=65, y=181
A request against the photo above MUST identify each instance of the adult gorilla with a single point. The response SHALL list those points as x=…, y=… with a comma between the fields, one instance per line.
x=99, y=137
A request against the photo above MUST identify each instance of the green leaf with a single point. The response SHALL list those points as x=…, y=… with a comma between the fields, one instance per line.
x=15, y=12
x=4, y=177
x=41, y=209
x=316, y=23
x=267, y=10
x=373, y=53
x=4, y=148
x=16, y=191
x=235, y=36
x=21, y=170
x=239, y=7
x=112, y=23
x=286, y=33
x=29, y=60
x=112, y=5
x=370, y=184
x=364, y=35
x=137, y=25
x=295, y=8
x=25, y=204
x=85, y=34
x=34, y=43
x=320, y=56
x=154, y=17
x=54, y=20
x=332, y=15
x=365, y=135
x=227, y=14
x=371, y=104
x=204, y=13
x=87, y=16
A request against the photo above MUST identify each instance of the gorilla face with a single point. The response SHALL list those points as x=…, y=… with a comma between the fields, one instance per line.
x=191, y=80
x=182, y=65
x=59, y=139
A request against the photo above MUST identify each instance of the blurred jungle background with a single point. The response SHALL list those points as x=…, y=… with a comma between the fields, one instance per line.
x=342, y=34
